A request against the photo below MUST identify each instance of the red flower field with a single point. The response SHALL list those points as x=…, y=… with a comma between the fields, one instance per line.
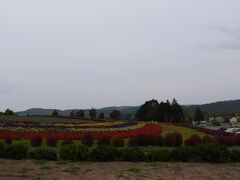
x=148, y=128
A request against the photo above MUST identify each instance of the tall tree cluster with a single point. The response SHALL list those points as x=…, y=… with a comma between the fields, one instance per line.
x=55, y=113
x=115, y=114
x=72, y=114
x=162, y=112
x=93, y=113
x=101, y=115
x=198, y=115
x=80, y=113
x=9, y=112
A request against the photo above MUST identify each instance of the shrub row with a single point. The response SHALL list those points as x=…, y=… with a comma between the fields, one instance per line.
x=36, y=141
x=50, y=141
x=205, y=152
x=21, y=151
x=222, y=140
x=46, y=153
x=175, y=140
x=13, y=151
x=146, y=140
x=170, y=140
x=228, y=140
x=74, y=152
x=200, y=153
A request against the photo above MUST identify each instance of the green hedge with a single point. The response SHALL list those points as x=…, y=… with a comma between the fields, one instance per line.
x=132, y=154
x=74, y=152
x=159, y=155
x=2, y=144
x=181, y=154
x=211, y=153
x=105, y=153
x=46, y=153
x=14, y=151
x=205, y=152
x=235, y=156
x=200, y=153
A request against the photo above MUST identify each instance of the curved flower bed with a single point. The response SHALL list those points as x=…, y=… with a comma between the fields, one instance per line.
x=69, y=126
x=128, y=131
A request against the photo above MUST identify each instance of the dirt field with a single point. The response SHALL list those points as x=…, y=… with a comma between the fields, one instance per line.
x=61, y=170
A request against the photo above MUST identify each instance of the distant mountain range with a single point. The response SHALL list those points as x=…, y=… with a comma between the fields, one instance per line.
x=231, y=106
x=125, y=110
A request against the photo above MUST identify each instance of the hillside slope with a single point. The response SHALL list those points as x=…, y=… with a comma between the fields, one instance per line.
x=231, y=106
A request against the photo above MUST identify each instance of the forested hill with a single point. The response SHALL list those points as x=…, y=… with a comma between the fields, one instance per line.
x=125, y=110
x=216, y=107
x=231, y=106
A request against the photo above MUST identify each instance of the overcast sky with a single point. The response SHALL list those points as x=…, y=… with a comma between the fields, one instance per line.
x=95, y=53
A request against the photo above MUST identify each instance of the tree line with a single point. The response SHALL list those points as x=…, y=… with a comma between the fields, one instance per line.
x=162, y=112
x=92, y=113
x=8, y=112
x=151, y=110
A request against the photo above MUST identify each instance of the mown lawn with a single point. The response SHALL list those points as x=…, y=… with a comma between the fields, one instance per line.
x=186, y=132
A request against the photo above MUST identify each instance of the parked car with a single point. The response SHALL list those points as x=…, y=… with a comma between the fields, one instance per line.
x=233, y=130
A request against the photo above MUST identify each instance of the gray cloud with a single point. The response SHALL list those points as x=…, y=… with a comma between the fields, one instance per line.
x=6, y=87
x=79, y=54
x=221, y=46
x=231, y=36
x=229, y=31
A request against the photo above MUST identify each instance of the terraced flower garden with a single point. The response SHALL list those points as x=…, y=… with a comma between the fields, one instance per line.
x=114, y=141
x=77, y=131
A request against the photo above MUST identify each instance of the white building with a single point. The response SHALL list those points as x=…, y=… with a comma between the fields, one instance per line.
x=211, y=119
x=219, y=119
x=233, y=120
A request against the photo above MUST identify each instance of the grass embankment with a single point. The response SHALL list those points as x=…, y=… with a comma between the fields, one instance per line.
x=186, y=132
